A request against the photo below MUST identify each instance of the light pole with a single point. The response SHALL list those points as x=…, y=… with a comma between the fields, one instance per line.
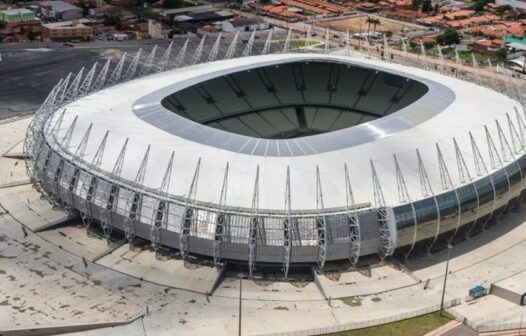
x=240, y=301
x=449, y=247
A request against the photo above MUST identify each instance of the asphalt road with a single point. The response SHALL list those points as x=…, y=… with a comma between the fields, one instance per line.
x=26, y=77
x=28, y=73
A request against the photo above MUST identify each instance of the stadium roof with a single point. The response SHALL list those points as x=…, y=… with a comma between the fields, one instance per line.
x=450, y=109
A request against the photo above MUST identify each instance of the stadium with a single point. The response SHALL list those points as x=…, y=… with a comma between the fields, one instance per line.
x=280, y=161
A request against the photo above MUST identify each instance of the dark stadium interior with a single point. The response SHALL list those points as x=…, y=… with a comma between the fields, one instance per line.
x=294, y=99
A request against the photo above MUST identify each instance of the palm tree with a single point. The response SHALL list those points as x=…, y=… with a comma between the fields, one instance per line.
x=369, y=21
x=376, y=22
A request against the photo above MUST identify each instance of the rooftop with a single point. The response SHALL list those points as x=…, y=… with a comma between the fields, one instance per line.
x=59, y=6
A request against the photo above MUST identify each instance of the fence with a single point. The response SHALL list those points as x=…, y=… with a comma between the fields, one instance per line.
x=483, y=327
x=370, y=323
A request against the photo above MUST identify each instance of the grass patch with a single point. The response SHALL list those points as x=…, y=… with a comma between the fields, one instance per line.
x=416, y=326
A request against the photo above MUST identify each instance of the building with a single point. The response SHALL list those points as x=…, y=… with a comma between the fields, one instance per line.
x=264, y=181
x=194, y=20
x=243, y=25
x=281, y=13
x=157, y=30
x=487, y=46
x=67, y=30
x=519, y=4
x=59, y=10
x=18, y=15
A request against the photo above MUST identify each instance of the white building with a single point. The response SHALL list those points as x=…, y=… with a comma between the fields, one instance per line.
x=241, y=25
x=157, y=30
x=59, y=10
x=521, y=4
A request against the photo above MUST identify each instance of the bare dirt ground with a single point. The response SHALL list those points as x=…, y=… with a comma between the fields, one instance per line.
x=359, y=24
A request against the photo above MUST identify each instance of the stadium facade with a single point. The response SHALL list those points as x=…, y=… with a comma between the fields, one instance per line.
x=280, y=160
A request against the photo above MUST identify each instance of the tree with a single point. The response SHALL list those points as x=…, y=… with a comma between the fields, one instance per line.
x=369, y=22
x=503, y=8
x=427, y=6
x=415, y=4
x=173, y=3
x=449, y=37
x=376, y=22
x=501, y=54
x=428, y=44
x=435, y=9
x=31, y=35
x=478, y=5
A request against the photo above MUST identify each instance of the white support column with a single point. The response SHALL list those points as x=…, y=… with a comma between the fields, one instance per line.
x=198, y=51
x=447, y=184
x=90, y=185
x=132, y=68
x=403, y=197
x=188, y=216
x=134, y=203
x=355, y=238
x=74, y=178
x=215, y=48
x=165, y=59
x=232, y=47
x=427, y=191
x=496, y=163
x=387, y=244
x=221, y=222
x=465, y=176
x=268, y=42
x=286, y=47
x=100, y=81
x=254, y=226
x=87, y=83
x=117, y=72
x=481, y=169
x=149, y=63
x=162, y=208
x=321, y=225
x=250, y=43
x=111, y=194
x=179, y=61
x=287, y=227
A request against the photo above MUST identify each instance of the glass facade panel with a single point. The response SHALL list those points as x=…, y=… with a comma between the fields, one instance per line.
x=514, y=174
x=500, y=180
x=175, y=217
x=448, y=205
x=468, y=203
x=337, y=229
x=486, y=195
x=238, y=229
x=405, y=224
x=204, y=224
x=273, y=227
x=307, y=231
x=427, y=218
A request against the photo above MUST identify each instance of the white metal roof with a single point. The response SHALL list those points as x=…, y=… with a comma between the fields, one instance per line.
x=471, y=108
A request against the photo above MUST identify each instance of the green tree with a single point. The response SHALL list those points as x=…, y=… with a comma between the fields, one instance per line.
x=415, y=4
x=427, y=6
x=369, y=22
x=435, y=9
x=478, y=5
x=503, y=8
x=501, y=54
x=449, y=37
x=173, y=3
